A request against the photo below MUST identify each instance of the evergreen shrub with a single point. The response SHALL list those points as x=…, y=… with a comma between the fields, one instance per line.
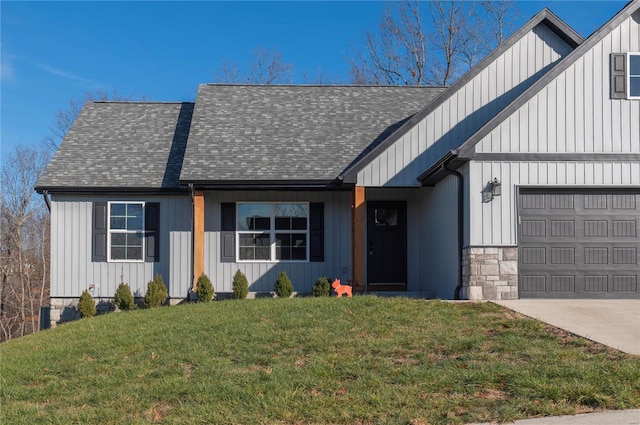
x=123, y=298
x=240, y=286
x=283, y=287
x=86, y=305
x=205, y=289
x=156, y=294
x=322, y=287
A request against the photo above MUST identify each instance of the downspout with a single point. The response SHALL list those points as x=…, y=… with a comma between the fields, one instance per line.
x=192, y=193
x=445, y=168
x=45, y=194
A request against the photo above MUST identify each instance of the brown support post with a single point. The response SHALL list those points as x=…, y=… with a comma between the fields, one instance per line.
x=198, y=237
x=357, y=238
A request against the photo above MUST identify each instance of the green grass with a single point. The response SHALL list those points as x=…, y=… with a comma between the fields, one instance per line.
x=310, y=360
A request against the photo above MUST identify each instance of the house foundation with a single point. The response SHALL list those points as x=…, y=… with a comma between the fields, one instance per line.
x=489, y=273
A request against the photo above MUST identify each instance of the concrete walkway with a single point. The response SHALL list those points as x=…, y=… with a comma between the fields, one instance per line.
x=615, y=323
x=617, y=417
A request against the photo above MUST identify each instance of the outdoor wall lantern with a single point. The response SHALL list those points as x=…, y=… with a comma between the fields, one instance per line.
x=492, y=189
x=496, y=187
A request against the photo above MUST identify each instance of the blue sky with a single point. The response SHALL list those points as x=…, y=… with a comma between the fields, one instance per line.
x=53, y=52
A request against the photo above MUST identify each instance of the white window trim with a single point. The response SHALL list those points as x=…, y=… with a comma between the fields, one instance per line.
x=109, y=231
x=628, y=76
x=271, y=232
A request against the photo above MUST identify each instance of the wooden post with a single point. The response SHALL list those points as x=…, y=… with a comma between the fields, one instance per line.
x=357, y=238
x=198, y=237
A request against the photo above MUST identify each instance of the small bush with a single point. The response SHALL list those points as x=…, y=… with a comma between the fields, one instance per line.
x=204, y=289
x=283, y=287
x=240, y=286
x=123, y=298
x=86, y=305
x=156, y=294
x=322, y=287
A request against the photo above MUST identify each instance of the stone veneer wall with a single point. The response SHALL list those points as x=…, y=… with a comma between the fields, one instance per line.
x=490, y=273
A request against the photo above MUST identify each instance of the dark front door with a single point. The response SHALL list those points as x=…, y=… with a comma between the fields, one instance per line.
x=387, y=246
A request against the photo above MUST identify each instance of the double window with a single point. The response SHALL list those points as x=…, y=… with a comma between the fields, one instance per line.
x=272, y=231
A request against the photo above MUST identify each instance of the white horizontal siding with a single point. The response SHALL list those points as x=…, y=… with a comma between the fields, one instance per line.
x=466, y=110
x=574, y=112
x=72, y=270
x=262, y=276
x=495, y=223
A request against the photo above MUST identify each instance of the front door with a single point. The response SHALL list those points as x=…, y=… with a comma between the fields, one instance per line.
x=387, y=246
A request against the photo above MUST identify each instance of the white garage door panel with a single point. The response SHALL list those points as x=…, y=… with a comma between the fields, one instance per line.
x=579, y=243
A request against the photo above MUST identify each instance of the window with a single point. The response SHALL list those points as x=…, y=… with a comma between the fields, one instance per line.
x=633, y=66
x=126, y=231
x=273, y=232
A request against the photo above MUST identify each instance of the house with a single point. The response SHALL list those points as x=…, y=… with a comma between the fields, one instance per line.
x=522, y=179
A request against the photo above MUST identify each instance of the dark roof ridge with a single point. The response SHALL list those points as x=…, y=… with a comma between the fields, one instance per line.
x=143, y=102
x=545, y=16
x=465, y=148
x=321, y=85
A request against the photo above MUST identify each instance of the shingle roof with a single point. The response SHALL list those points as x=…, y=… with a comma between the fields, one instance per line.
x=291, y=133
x=122, y=145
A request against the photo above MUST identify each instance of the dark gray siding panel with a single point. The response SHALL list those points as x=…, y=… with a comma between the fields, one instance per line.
x=578, y=243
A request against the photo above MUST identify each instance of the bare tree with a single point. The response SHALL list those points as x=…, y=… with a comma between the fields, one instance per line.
x=429, y=43
x=265, y=67
x=24, y=237
x=64, y=118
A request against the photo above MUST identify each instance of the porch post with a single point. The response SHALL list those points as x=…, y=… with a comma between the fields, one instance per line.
x=357, y=238
x=198, y=237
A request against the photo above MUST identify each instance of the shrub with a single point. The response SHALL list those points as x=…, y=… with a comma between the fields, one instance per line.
x=86, y=305
x=283, y=287
x=156, y=294
x=123, y=297
x=204, y=289
x=240, y=286
x=322, y=287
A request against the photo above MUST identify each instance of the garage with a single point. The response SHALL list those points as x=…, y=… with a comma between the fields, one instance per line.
x=578, y=243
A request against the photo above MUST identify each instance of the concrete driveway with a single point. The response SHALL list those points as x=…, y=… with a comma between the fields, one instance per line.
x=615, y=323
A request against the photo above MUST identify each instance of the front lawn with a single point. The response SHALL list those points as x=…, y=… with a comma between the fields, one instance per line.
x=361, y=360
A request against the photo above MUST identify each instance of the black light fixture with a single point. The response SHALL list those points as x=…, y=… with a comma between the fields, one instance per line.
x=496, y=187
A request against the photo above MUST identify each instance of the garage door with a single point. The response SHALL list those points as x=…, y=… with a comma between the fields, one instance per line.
x=578, y=244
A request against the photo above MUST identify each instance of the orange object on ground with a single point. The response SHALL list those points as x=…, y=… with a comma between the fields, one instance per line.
x=341, y=289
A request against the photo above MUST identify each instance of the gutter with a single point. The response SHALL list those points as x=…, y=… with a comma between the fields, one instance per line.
x=451, y=171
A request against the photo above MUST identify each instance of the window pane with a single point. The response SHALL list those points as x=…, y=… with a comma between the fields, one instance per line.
x=386, y=217
x=119, y=209
x=298, y=253
x=118, y=239
x=263, y=253
x=134, y=239
x=134, y=223
x=134, y=210
x=299, y=240
x=262, y=240
x=134, y=253
x=118, y=253
x=634, y=86
x=246, y=254
x=634, y=64
x=291, y=210
x=118, y=223
x=299, y=224
x=283, y=223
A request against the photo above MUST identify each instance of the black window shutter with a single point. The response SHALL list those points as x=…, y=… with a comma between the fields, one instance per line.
x=618, y=76
x=152, y=232
x=99, y=237
x=228, y=232
x=316, y=231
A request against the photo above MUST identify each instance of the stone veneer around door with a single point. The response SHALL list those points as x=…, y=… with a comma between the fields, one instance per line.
x=490, y=273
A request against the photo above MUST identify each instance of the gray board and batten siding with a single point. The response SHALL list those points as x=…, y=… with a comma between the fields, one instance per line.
x=579, y=243
x=468, y=104
x=72, y=268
